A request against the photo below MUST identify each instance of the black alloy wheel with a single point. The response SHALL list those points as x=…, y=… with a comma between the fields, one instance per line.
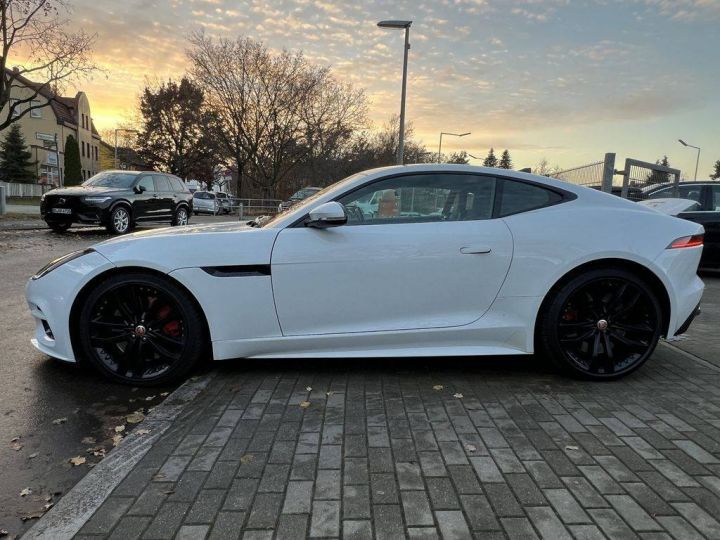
x=141, y=329
x=602, y=325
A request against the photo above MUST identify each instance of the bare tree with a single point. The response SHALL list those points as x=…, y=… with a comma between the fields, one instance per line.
x=35, y=30
x=277, y=112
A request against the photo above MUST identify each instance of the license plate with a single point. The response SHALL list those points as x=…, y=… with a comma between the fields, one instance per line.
x=61, y=210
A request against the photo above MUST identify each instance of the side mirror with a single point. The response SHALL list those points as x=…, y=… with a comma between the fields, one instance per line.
x=330, y=214
x=139, y=189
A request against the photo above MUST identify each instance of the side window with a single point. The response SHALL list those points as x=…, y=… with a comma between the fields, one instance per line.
x=693, y=193
x=521, y=197
x=147, y=183
x=715, y=199
x=422, y=198
x=177, y=184
x=162, y=183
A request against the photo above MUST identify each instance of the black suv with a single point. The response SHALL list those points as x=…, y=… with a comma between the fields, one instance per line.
x=118, y=200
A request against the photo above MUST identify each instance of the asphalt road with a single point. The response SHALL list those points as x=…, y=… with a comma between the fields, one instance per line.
x=37, y=390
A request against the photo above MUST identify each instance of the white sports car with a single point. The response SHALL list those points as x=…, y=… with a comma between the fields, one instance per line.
x=455, y=260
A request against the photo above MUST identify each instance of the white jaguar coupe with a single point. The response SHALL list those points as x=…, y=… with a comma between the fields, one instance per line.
x=423, y=260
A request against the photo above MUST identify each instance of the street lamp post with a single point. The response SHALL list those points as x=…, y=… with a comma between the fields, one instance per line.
x=406, y=26
x=115, y=161
x=446, y=133
x=697, y=161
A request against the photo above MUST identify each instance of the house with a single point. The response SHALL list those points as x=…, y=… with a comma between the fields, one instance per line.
x=127, y=158
x=46, y=129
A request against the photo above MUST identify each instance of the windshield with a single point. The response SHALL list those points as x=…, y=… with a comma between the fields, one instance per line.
x=303, y=194
x=306, y=202
x=111, y=179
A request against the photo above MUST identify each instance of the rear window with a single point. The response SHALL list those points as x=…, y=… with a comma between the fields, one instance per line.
x=517, y=197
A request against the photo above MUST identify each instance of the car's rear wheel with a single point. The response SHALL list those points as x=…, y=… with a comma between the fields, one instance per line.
x=181, y=216
x=120, y=221
x=602, y=324
x=59, y=226
x=141, y=329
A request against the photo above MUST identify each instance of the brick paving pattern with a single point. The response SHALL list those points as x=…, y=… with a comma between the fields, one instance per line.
x=502, y=450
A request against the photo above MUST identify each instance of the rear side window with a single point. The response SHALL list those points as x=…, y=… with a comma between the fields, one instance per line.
x=177, y=184
x=162, y=183
x=147, y=183
x=516, y=197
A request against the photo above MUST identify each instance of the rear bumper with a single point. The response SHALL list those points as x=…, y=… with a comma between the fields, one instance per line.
x=684, y=326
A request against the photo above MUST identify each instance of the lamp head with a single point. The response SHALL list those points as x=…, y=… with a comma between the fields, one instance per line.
x=682, y=142
x=394, y=24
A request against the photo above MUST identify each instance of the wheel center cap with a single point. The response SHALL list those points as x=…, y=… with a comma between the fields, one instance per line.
x=140, y=330
x=602, y=325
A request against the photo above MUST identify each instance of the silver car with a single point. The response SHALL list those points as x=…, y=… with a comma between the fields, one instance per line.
x=205, y=202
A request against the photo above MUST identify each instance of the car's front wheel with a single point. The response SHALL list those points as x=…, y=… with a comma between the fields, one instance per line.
x=602, y=324
x=141, y=329
x=120, y=221
x=181, y=216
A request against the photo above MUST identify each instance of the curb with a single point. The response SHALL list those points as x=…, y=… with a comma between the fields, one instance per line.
x=691, y=356
x=72, y=511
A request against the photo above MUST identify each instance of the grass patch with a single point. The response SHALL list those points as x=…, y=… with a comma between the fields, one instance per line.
x=27, y=201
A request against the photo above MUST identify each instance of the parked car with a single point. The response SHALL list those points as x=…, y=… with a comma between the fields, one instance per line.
x=205, y=202
x=490, y=263
x=118, y=200
x=224, y=202
x=705, y=211
x=298, y=196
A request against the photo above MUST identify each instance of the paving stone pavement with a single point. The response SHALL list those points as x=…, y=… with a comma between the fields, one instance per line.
x=503, y=449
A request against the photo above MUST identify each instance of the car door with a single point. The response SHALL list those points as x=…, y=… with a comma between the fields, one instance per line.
x=164, y=203
x=710, y=219
x=144, y=202
x=430, y=256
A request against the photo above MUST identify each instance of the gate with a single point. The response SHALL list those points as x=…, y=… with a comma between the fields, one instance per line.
x=640, y=176
x=597, y=175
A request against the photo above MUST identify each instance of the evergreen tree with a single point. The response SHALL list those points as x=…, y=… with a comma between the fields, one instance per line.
x=15, y=164
x=716, y=174
x=505, y=161
x=73, y=167
x=490, y=160
x=459, y=158
x=659, y=177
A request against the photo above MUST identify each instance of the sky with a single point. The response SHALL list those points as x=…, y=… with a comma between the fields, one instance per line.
x=565, y=80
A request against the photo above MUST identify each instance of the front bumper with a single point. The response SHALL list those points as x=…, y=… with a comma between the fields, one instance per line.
x=80, y=212
x=50, y=299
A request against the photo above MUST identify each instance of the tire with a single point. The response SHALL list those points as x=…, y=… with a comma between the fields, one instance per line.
x=601, y=325
x=195, y=213
x=181, y=217
x=59, y=226
x=141, y=329
x=120, y=221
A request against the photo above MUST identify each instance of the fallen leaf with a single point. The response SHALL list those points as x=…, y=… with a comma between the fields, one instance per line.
x=77, y=461
x=135, y=418
x=164, y=394
x=471, y=448
x=309, y=388
x=26, y=491
x=458, y=395
x=33, y=455
x=59, y=421
x=28, y=517
x=571, y=448
x=247, y=458
x=304, y=404
x=88, y=440
x=98, y=451
x=330, y=393
x=15, y=439
x=16, y=446
x=438, y=387
x=168, y=492
x=119, y=429
x=159, y=476
x=142, y=431
x=116, y=439
x=149, y=398
x=3, y=532
x=48, y=506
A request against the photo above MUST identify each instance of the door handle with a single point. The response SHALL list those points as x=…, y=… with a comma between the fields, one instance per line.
x=475, y=250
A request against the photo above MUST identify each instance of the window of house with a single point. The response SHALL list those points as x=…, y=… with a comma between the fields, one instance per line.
x=35, y=113
x=82, y=143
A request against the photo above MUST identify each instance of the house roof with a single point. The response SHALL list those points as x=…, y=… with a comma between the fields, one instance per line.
x=65, y=108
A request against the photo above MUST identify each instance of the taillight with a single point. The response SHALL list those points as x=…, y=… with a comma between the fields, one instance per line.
x=687, y=241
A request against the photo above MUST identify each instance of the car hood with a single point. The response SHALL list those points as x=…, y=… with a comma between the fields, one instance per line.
x=168, y=249
x=85, y=190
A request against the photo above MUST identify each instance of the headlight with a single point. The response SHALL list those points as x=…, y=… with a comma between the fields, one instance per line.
x=42, y=197
x=52, y=265
x=96, y=200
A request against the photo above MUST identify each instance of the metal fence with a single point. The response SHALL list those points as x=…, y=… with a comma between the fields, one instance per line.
x=13, y=189
x=250, y=208
x=640, y=176
x=597, y=175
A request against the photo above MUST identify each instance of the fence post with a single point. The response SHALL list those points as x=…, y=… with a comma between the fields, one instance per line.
x=608, y=172
x=2, y=199
x=240, y=211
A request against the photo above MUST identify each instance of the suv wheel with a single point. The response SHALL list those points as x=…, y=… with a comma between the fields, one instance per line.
x=59, y=226
x=120, y=222
x=181, y=217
